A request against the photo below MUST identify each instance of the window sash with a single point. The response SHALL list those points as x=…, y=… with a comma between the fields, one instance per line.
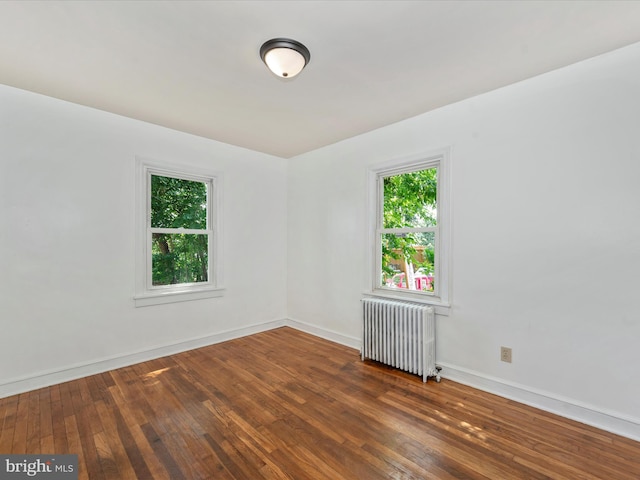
x=208, y=181
x=380, y=230
x=400, y=231
x=174, y=286
x=186, y=231
x=436, y=263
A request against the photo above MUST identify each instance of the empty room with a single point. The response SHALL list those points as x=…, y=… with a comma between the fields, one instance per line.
x=319, y=240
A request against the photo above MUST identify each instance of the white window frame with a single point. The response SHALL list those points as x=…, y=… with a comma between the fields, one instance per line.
x=146, y=293
x=441, y=296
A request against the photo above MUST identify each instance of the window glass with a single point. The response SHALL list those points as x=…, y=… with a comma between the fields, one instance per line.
x=179, y=258
x=409, y=230
x=408, y=261
x=178, y=203
x=410, y=199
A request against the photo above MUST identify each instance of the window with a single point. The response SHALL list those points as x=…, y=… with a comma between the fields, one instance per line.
x=410, y=229
x=178, y=234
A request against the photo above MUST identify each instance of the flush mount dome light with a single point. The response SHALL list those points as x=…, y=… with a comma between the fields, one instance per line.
x=284, y=57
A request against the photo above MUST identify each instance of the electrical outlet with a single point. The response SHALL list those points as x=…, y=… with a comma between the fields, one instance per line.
x=505, y=354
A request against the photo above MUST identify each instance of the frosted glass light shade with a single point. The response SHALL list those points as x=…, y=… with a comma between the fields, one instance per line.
x=285, y=58
x=284, y=62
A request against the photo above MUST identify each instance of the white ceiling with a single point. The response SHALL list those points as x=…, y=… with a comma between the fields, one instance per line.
x=195, y=67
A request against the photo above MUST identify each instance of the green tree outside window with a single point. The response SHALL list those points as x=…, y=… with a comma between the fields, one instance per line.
x=409, y=224
x=180, y=240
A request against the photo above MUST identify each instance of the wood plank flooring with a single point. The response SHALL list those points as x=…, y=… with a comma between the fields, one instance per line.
x=287, y=405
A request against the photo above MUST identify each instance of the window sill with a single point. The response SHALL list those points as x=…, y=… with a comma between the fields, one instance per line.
x=441, y=308
x=159, y=298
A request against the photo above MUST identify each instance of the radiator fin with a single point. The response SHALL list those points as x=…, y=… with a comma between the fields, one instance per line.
x=400, y=334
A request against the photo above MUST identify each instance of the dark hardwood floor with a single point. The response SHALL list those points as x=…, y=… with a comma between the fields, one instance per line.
x=287, y=405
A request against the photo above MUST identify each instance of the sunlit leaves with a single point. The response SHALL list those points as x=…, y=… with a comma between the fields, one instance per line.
x=410, y=199
x=409, y=202
x=177, y=257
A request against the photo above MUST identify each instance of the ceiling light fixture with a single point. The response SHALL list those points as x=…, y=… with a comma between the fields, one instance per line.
x=284, y=57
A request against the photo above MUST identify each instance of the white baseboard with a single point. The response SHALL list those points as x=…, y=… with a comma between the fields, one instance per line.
x=73, y=372
x=609, y=421
x=324, y=333
x=565, y=407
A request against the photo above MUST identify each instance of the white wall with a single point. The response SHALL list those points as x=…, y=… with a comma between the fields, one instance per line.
x=546, y=246
x=546, y=239
x=67, y=242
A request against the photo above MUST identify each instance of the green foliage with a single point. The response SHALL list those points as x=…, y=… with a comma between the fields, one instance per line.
x=177, y=203
x=410, y=201
x=178, y=258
